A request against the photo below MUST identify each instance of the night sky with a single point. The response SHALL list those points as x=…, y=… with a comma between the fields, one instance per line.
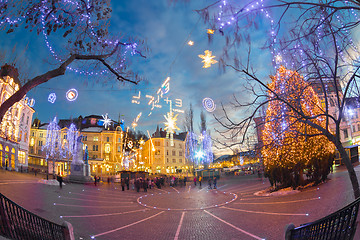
x=166, y=29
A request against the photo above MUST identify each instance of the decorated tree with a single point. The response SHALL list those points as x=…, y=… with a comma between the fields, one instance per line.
x=290, y=145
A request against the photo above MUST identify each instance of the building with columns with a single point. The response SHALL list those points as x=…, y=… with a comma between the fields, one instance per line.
x=15, y=126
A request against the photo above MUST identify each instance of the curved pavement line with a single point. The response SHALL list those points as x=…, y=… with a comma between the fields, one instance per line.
x=184, y=209
x=129, y=225
x=160, y=190
x=179, y=227
x=104, y=215
x=89, y=200
x=247, y=188
x=92, y=206
x=269, y=213
x=256, y=198
x=114, y=194
x=175, y=189
x=301, y=200
x=87, y=195
x=239, y=229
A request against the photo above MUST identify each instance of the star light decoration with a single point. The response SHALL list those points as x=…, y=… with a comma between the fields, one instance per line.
x=190, y=43
x=107, y=121
x=170, y=126
x=208, y=59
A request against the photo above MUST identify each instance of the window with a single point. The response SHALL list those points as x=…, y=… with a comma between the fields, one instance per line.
x=27, y=120
x=107, y=139
x=358, y=127
x=33, y=134
x=96, y=139
x=167, y=144
x=95, y=147
x=167, y=152
x=157, y=143
x=173, y=153
x=180, y=153
x=157, y=152
x=167, y=160
x=41, y=134
x=119, y=148
x=20, y=135
x=65, y=136
x=345, y=133
x=353, y=128
x=84, y=138
x=174, y=160
x=119, y=139
x=40, y=143
x=180, y=160
x=25, y=137
x=107, y=148
x=21, y=157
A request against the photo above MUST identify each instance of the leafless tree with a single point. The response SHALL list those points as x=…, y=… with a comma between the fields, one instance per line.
x=83, y=28
x=316, y=42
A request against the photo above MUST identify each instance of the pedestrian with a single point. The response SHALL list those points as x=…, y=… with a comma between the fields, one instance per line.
x=122, y=184
x=145, y=185
x=215, y=181
x=127, y=182
x=60, y=180
x=209, y=183
x=132, y=181
x=195, y=180
x=137, y=185
x=35, y=171
x=185, y=180
x=200, y=179
x=95, y=179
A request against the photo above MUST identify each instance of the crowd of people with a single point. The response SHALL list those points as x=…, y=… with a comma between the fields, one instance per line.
x=145, y=183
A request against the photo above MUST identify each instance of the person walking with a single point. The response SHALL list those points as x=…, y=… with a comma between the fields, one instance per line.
x=95, y=179
x=145, y=185
x=127, y=182
x=195, y=180
x=200, y=179
x=215, y=182
x=122, y=184
x=60, y=179
x=209, y=183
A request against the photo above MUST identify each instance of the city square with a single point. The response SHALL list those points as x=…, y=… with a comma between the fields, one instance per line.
x=231, y=211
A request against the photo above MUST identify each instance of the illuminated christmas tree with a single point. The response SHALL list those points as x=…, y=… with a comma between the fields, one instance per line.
x=290, y=145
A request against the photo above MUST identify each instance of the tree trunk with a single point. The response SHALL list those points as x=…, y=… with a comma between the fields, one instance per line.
x=353, y=178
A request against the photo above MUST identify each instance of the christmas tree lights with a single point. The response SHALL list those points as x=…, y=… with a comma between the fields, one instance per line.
x=290, y=145
x=53, y=139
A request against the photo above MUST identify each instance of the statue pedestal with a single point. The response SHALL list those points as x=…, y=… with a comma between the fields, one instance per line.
x=80, y=173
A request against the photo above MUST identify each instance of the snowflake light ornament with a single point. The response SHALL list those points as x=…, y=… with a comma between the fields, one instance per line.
x=208, y=59
x=107, y=121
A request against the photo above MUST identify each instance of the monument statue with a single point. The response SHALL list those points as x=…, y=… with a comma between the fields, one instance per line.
x=80, y=168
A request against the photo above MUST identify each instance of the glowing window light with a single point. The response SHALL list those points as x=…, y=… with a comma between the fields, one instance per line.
x=71, y=94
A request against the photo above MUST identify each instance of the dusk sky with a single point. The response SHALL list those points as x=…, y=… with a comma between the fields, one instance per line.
x=166, y=29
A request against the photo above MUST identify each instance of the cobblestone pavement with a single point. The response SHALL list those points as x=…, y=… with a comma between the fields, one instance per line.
x=230, y=212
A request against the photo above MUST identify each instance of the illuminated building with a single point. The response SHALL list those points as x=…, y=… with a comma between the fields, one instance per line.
x=105, y=146
x=15, y=126
x=159, y=156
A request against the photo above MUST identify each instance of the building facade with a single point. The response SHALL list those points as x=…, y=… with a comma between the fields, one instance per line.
x=15, y=126
x=159, y=156
x=104, y=147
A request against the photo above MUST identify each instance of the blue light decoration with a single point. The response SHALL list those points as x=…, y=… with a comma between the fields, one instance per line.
x=72, y=136
x=52, y=97
x=206, y=148
x=209, y=104
x=53, y=140
x=122, y=125
x=72, y=94
x=190, y=146
x=29, y=101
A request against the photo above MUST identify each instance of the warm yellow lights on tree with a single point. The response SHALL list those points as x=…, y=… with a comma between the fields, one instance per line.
x=290, y=145
x=208, y=59
x=210, y=31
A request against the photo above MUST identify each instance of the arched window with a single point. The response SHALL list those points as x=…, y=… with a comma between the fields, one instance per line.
x=6, y=149
x=13, y=150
